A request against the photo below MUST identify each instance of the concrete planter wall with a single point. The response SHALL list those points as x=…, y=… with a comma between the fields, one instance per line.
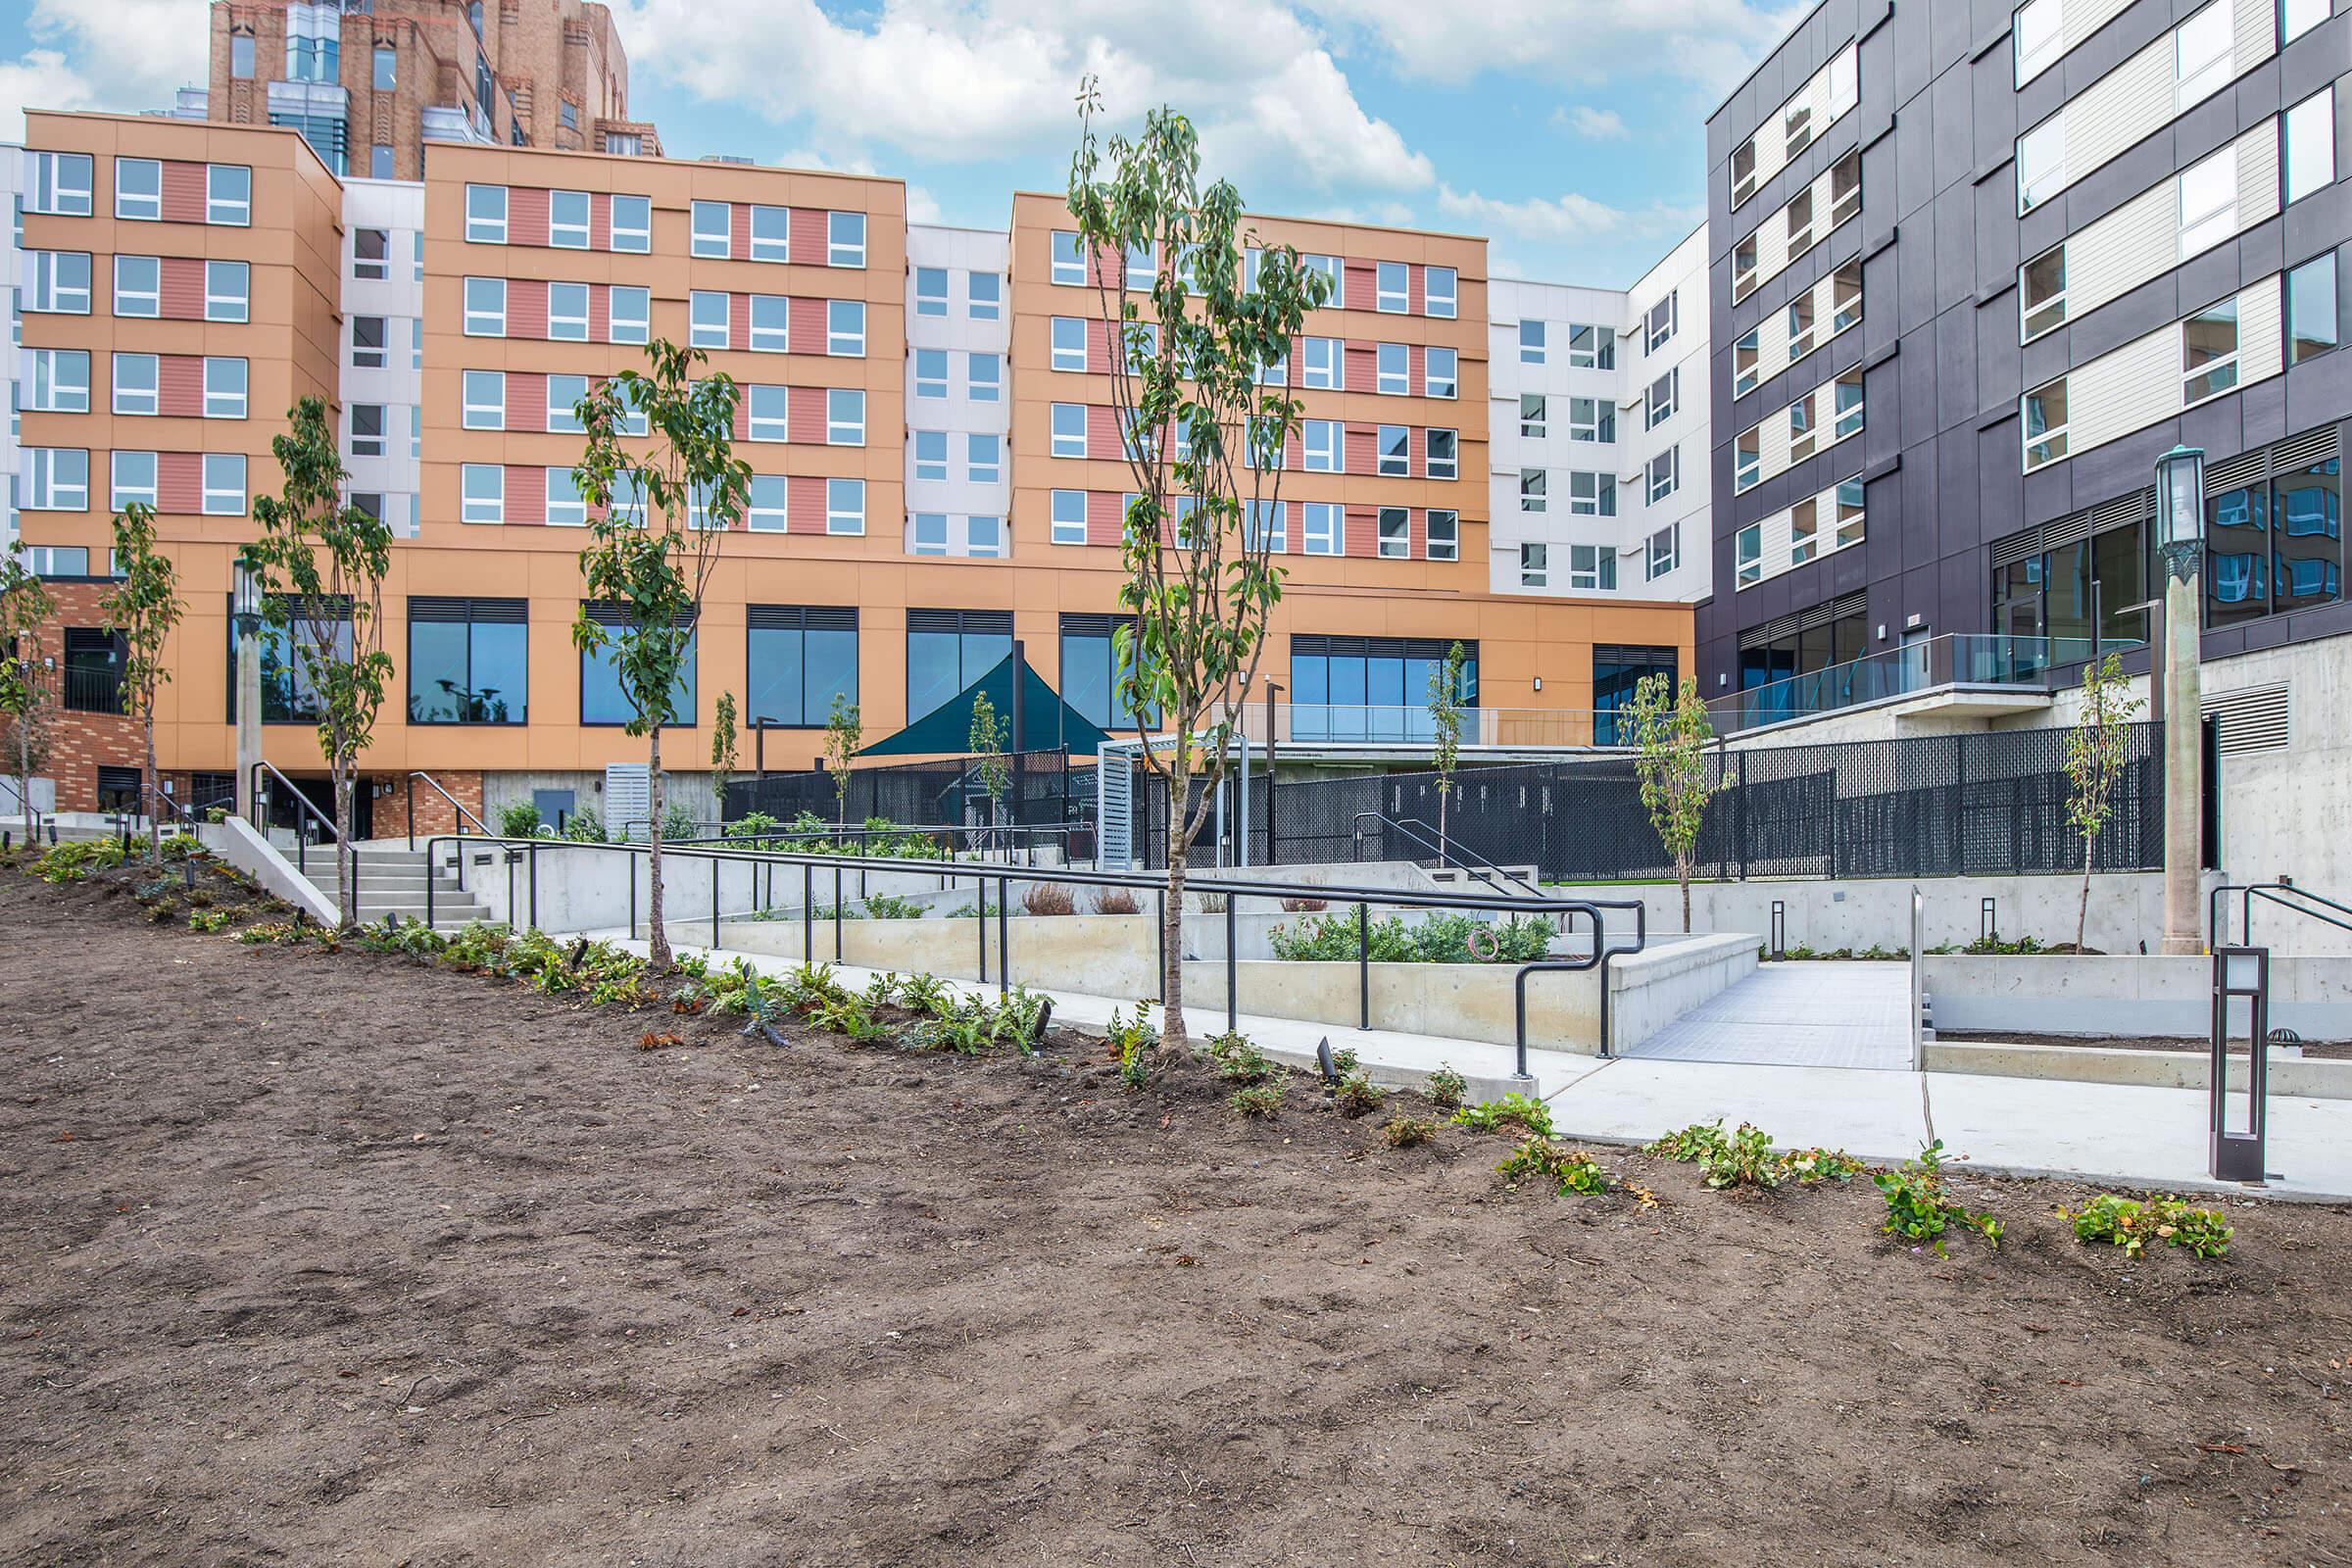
x=2293, y=1077
x=1095, y=954
x=2127, y=996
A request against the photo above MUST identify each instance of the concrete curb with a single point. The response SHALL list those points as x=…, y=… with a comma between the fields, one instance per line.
x=2299, y=1077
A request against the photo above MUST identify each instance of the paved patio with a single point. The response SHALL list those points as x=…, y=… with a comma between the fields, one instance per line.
x=1807, y=1015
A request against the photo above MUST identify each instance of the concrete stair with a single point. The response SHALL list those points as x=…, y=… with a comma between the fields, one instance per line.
x=393, y=882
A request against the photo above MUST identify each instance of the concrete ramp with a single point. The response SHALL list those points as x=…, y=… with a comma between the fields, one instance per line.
x=1805, y=1014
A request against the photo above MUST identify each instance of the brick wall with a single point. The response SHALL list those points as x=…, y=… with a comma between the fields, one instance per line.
x=433, y=813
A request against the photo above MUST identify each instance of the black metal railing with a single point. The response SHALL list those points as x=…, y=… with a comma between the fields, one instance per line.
x=1446, y=849
x=2285, y=894
x=82, y=689
x=455, y=804
x=266, y=779
x=1568, y=911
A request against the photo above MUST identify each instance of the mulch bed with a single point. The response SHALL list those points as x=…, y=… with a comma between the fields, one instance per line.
x=323, y=1257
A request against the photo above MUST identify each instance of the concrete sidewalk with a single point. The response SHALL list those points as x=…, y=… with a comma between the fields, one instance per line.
x=2128, y=1136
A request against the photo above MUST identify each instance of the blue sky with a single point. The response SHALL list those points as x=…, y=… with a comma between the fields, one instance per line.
x=1569, y=131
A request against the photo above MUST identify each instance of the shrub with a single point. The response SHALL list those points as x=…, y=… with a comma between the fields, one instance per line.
x=1357, y=1094
x=677, y=823
x=1304, y=905
x=1021, y=1019
x=1812, y=1167
x=926, y=993
x=890, y=906
x=1048, y=898
x=1262, y=1100
x=1744, y=1159
x=412, y=938
x=1408, y=1132
x=585, y=826
x=1539, y=1157
x=1117, y=901
x=1447, y=1088
x=1919, y=1208
x=180, y=845
x=70, y=862
x=966, y=1028
x=216, y=814
x=1211, y=903
x=1513, y=1110
x=207, y=919
x=1695, y=1142
x=518, y=819
x=289, y=933
x=2131, y=1223
x=1239, y=1061
x=752, y=826
x=1131, y=1042
x=1440, y=939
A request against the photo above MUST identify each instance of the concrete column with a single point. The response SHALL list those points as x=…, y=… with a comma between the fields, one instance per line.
x=2184, y=781
x=249, y=717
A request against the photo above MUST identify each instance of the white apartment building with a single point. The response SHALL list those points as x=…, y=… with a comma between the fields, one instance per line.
x=383, y=353
x=1597, y=434
x=958, y=391
x=12, y=358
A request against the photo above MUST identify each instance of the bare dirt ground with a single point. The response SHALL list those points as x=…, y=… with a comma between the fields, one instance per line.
x=328, y=1258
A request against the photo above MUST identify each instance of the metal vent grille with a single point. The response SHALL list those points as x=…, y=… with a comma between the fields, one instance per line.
x=1821, y=614
x=2259, y=718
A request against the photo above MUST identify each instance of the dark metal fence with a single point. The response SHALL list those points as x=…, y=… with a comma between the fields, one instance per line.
x=1046, y=789
x=1989, y=803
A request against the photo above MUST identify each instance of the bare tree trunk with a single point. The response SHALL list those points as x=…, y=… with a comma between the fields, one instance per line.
x=1442, y=793
x=1173, y=1041
x=154, y=802
x=346, y=849
x=1682, y=874
x=656, y=947
x=2083, y=908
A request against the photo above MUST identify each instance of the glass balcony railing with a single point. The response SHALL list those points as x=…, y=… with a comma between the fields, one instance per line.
x=1955, y=660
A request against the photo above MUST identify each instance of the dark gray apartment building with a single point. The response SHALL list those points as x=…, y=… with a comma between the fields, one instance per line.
x=1974, y=266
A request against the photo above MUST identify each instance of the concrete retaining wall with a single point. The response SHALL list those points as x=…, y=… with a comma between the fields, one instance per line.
x=2127, y=996
x=1094, y=955
x=2294, y=1076
x=236, y=842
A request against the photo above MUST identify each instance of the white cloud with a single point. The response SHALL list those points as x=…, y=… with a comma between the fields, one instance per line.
x=1596, y=125
x=41, y=79
x=964, y=81
x=921, y=205
x=137, y=52
x=1712, y=41
x=1541, y=218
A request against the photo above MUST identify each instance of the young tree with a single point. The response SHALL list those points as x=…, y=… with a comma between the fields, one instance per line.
x=722, y=751
x=27, y=682
x=321, y=564
x=2094, y=763
x=987, y=743
x=1206, y=432
x=657, y=513
x=142, y=610
x=844, y=734
x=1446, y=720
x=1672, y=732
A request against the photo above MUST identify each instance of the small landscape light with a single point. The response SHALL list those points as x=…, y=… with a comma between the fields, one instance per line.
x=1323, y=1061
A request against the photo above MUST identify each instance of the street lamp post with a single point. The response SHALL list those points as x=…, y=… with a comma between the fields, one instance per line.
x=2180, y=534
x=245, y=606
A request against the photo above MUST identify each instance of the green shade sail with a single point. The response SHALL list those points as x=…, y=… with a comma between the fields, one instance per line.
x=1048, y=723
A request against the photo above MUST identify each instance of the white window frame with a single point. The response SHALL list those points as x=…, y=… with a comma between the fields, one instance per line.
x=481, y=320
x=1604, y=413
x=1395, y=300
x=759, y=426
x=773, y=334
x=705, y=334
x=45, y=489
x=1448, y=467
x=845, y=416
x=1535, y=417
x=2215, y=366
x=478, y=411
x=371, y=268
x=2051, y=442
x=1068, y=264
x=2049, y=312
x=566, y=233
x=845, y=328
x=1664, y=483
x=1323, y=363
x=49, y=191
x=1063, y=528
x=930, y=384
x=2296, y=178
x=1323, y=444
x=1600, y=501
x=1432, y=296
x=702, y=240
x=1532, y=345
x=1322, y=528
x=1442, y=543
x=1592, y=568
x=1534, y=565
x=1397, y=465
x=220, y=305
x=1600, y=353
x=2208, y=202
x=136, y=400
x=1657, y=410
x=225, y=404
x=1067, y=355
x=134, y=300
x=984, y=376
x=134, y=203
x=927, y=467
x=1748, y=560
x=926, y=533
x=984, y=534
x=48, y=390
x=927, y=303
x=2195, y=81
x=483, y=227
x=2048, y=140
x=223, y=488
x=767, y=504
x=367, y=356
x=1062, y=442
x=1393, y=533
x=2036, y=36
x=1387, y=383
x=1535, y=492
x=1437, y=383
x=489, y=506
x=982, y=456
x=230, y=209
x=845, y=251
x=844, y=506
x=378, y=444
x=1256, y=524
x=630, y=328
x=562, y=417
x=988, y=306
x=133, y=488
x=639, y=235
x=1663, y=551
x=770, y=247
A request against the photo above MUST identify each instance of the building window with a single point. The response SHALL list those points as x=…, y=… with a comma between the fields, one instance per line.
x=2209, y=352
x=1392, y=294
x=1744, y=170
x=1531, y=342
x=1393, y=452
x=2311, y=318
x=1438, y=292
x=770, y=317
x=1661, y=324
x=57, y=479
x=1743, y=269
x=2042, y=162
x=2208, y=193
x=603, y=698
x=628, y=309
x=568, y=219
x=844, y=239
x=240, y=56
x=59, y=380
x=799, y=661
x=1665, y=473
x=1068, y=429
x=1591, y=419
x=1443, y=448
x=844, y=506
x=1262, y=525
x=2041, y=292
x=845, y=328
x=92, y=675
x=485, y=307
x=485, y=399
x=59, y=184
x=371, y=253
x=1394, y=377
x=486, y=215
x=469, y=660
x=1748, y=555
x=2044, y=417
x=768, y=507
x=1534, y=491
x=930, y=455
x=1068, y=343
x=1592, y=348
x=1321, y=527
x=1662, y=397
x=1069, y=262
x=482, y=493
x=138, y=384
x=1532, y=421
x=1534, y=565
x=706, y=319
x=2308, y=146
x=772, y=233
x=632, y=223
x=1665, y=551
x=1440, y=372
x=931, y=374
x=1320, y=363
x=947, y=649
x=1617, y=672
x=1067, y=518
x=138, y=189
x=2037, y=36
x=845, y=416
x=931, y=291
x=133, y=475
x=1093, y=674
x=368, y=342
x=1591, y=495
x=1370, y=689
x=379, y=161
x=984, y=296
x=1445, y=534
x=1747, y=459
x=366, y=429
x=222, y=475
x=710, y=231
x=983, y=458
x=983, y=374
x=138, y=285
x=1846, y=393
x=228, y=195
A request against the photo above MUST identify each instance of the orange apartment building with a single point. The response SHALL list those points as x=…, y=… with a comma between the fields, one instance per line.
x=453, y=321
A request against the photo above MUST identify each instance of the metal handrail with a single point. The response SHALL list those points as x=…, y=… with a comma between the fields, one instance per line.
x=303, y=807
x=2279, y=893
x=1005, y=875
x=942, y=834
x=455, y=804
x=1420, y=834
